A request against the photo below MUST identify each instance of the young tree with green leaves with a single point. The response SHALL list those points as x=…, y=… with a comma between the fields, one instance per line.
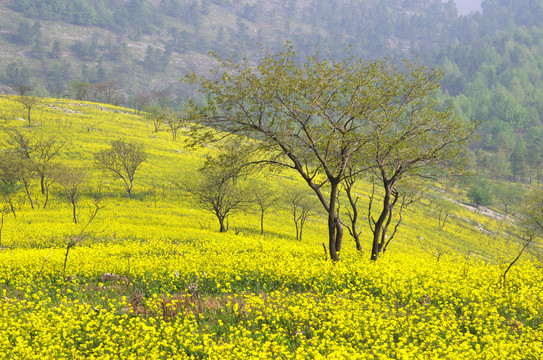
x=71, y=180
x=480, y=193
x=217, y=188
x=507, y=195
x=18, y=160
x=264, y=198
x=122, y=159
x=29, y=102
x=443, y=208
x=300, y=205
x=33, y=154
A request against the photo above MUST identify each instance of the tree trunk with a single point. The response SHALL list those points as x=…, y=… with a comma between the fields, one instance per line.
x=339, y=234
x=42, y=183
x=74, y=212
x=384, y=230
x=335, y=230
x=354, y=216
x=376, y=246
x=28, y=194
x=3, y=214
x=262, y=222
x=12, y=208
x=129, y=190
x=46, y=197
x=221, y=222
x=29, y=122
x=357, y=242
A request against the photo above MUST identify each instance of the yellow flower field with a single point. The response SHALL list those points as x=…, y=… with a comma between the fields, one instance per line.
x=154, y=279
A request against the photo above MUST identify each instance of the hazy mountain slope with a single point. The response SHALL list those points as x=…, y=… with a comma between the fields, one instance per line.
x=491, y=61
x=151, y=44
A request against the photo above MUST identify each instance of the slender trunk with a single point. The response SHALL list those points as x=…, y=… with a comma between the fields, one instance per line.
x=44, y=261
x=295, y=219
x=301, y=230
x=42, y=183
x=384, y=230
x=46, y=197
x=2, y=226
x=68, y=247
x=354, y=216
x=375, y=249
x=78, y=239
x=385, y=242
x=335, y=230
x=262, y=222
x=74, y=212
x=28, y=194
x=29, y=122
x=127, y=186
x=46, y=201
x=12, y=208
x=526, y=244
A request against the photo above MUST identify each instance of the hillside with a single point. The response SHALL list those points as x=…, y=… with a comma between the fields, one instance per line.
x=149, y=45
x=135, y=52
x=84, y=128
x=152, y=276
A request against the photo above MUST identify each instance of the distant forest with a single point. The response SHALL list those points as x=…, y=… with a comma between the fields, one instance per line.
x=492, y=62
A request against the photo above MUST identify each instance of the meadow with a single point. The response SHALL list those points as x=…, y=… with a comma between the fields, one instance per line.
x=154, y=279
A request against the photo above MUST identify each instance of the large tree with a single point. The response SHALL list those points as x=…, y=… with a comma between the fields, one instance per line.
x=318, y=118
x=416, y=141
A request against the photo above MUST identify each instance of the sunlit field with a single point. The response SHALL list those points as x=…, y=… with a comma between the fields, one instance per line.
x=152, y=277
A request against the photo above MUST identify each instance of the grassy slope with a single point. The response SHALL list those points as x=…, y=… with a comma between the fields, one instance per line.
x=196, y=292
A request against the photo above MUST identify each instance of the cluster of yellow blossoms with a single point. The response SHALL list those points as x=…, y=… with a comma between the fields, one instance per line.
x=227, y=296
